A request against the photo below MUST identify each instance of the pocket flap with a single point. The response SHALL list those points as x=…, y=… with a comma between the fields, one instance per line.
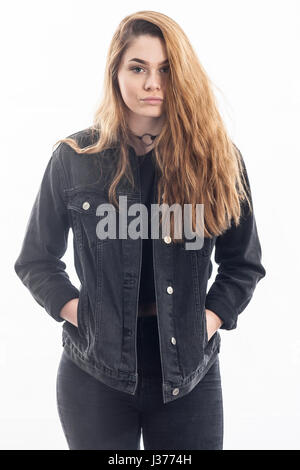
x=86, y=203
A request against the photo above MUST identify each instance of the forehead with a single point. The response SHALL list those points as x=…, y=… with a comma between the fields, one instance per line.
x=146, y=47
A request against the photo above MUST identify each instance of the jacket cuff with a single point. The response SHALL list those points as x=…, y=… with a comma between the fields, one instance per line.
x=223, y=311
x=58, y=299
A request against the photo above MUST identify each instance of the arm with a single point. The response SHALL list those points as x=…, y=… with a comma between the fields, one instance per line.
x=39, y=264
x=238, y=253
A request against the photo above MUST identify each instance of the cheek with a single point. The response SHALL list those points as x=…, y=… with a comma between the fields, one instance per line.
x=129, y=92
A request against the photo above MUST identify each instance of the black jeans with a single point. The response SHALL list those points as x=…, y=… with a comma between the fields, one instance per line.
x=96, y=416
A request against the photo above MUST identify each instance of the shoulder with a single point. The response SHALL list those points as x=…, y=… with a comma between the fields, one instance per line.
x=63, y=154
x=85, y=137
x=78, y=169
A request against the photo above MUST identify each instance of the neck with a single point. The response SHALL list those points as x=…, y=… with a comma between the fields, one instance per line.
x=139, y=147
x=140, y=125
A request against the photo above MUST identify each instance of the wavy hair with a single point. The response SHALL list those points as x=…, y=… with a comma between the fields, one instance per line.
x=196, y=159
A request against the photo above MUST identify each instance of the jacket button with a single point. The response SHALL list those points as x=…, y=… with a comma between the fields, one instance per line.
x=170, y=290
x=167, y=239
x=175, y=391
x=86, y=205
x=173, y=340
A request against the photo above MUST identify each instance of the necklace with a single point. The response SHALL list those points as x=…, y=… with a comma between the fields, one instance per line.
x=147, y=139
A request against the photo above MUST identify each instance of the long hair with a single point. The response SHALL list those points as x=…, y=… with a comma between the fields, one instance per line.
x=196, y=160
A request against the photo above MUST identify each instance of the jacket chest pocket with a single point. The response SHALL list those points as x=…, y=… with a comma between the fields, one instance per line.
x=87, y=210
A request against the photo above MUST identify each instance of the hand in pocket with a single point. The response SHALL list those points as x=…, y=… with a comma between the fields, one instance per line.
x=213, y=323
x=70, y=310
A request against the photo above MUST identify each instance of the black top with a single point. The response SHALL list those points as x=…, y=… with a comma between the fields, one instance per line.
x=147, y=173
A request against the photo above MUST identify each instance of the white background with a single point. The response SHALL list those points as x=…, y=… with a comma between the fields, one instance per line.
x=53, y=56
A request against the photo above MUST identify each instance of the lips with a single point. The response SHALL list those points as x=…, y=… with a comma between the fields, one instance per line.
x=152, y=99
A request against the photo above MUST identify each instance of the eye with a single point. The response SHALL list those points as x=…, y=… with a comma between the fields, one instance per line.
x=134, y=68
x=137, y=67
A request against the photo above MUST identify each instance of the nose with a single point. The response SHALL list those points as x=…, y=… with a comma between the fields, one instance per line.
x=153, y=81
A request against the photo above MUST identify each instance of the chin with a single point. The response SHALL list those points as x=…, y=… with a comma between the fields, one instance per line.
x=150, y=113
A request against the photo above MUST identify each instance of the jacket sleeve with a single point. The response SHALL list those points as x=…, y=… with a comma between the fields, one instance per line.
x=39, y=264
x=238, y=254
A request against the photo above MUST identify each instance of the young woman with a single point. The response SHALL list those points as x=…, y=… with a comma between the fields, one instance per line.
x=141, y=337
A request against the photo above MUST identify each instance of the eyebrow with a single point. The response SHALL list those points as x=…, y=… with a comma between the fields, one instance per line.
x=141, y=61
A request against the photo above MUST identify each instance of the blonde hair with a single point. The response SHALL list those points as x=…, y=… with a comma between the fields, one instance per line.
x=196, y=159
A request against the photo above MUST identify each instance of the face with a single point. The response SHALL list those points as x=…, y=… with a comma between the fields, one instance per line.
x=143, y=73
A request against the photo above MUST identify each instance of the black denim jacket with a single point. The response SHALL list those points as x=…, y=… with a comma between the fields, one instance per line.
x=104, y=344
